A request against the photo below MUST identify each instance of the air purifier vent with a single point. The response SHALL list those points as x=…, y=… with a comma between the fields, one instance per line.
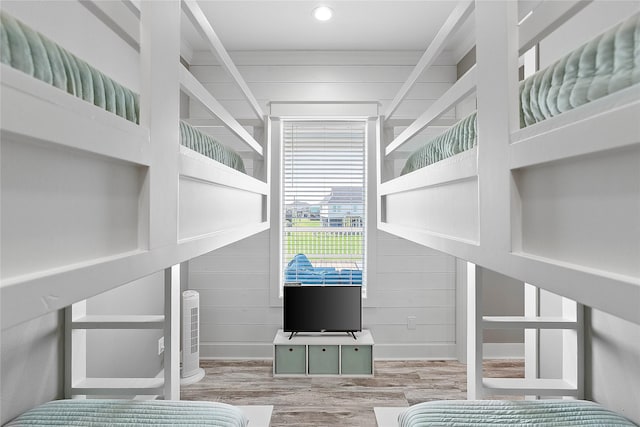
x=191, y=371
x=194, y=330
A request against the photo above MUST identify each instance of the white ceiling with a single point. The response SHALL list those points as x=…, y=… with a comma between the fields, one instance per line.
x=357, y=25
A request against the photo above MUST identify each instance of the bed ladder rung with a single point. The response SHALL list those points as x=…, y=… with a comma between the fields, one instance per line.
x=524, y=322
x=119, y=322
x=119, y=386
x=538, y=386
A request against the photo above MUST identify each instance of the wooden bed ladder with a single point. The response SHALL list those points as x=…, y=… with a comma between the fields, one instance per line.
x=571, y=323
x=77, y=322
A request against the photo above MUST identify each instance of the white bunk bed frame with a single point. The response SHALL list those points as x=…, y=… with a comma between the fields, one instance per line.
x=91, y=201
x=524, y=202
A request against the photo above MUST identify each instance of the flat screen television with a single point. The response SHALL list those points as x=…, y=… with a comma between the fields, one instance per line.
x=331, y=308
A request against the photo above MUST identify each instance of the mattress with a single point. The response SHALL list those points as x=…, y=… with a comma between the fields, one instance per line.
x=541, y=413
x=34, y=54
x=458, y=138
x=120, y=413
x=204, y=144
x=608, y=63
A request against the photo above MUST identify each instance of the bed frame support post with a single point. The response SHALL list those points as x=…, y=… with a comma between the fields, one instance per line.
x=172, y=333
x=160, y=113
x=573, y=346
x=497, y=89
x=474, y=332
x=75, y=351
x=531, y=336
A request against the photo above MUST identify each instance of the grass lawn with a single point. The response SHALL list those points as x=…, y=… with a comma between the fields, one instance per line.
x=306, y=222
x=327, y=241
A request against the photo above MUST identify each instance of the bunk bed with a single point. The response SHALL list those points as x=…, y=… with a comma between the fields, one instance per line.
x=547, y=193
x=566, y=84
x=30, y=52
x=102, y=186
x=88, y=190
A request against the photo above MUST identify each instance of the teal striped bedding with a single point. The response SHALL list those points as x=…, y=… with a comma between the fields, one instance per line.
x=34, y=54
x=606, y=64
x=540, y=413
x=131, y=413
x=458, y=138
x=204, y=144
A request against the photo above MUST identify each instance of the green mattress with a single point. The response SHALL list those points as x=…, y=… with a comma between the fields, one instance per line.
x=606, y=64
x=540, y=413
x=34, y=54
x=130, y=413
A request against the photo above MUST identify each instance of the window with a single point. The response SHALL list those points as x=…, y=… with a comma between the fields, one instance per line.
x=324, y=202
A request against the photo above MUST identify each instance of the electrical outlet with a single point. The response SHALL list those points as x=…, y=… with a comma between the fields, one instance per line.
x=160, y=346
x=411, y=322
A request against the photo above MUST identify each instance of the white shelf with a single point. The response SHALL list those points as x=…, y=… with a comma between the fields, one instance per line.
x=123, y=386
x=537, y=387
x=119, y=322
x=325, y=338
x=521, y=322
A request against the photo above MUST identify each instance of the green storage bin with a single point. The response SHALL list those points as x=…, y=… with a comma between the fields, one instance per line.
x=290, y=359
x=324, y=359
x=356, y=360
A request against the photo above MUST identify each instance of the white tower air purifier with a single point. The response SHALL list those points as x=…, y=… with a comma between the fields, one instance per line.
x=191, y=371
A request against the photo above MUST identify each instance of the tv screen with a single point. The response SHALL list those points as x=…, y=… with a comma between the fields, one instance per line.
x=332, y=308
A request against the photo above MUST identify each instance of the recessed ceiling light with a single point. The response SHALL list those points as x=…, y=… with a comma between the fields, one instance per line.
x=322, y=13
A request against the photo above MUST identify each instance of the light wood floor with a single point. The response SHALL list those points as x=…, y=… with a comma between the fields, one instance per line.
x=337, y=401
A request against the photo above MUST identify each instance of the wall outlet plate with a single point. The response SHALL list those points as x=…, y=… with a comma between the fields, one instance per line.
x=411, y=322
x=161, y=345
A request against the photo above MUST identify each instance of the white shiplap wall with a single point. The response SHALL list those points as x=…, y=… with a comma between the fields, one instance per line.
x=238, y=320
x=411, y=280
x=239, y=317
x=320, y=76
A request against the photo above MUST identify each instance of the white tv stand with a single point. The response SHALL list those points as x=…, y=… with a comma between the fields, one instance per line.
x=328, y=353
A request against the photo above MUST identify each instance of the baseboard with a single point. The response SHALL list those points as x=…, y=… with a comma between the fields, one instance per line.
x=235, y=350
x=414, y=351
x=503, y=350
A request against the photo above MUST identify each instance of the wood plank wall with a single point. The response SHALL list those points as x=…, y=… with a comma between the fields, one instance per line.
x=238, y=320
x=237, y=317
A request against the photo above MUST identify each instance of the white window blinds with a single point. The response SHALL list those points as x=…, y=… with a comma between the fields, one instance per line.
x=323, y=203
